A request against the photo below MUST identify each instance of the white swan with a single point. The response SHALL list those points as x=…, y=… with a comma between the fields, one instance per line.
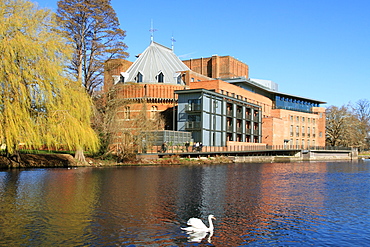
x=196, y=225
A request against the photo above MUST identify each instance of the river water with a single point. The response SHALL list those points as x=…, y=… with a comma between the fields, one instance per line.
x=274, y=204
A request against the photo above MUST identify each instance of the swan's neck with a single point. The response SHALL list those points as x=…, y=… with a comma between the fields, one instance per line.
x=210, y=224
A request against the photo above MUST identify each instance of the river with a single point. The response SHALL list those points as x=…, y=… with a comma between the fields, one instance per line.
x=272, y=204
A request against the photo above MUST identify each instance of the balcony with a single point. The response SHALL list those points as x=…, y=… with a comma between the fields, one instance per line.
x=193, y=107
x=192, y=125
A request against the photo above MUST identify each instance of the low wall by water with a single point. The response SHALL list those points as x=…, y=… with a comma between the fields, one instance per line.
x=264, y=159
x=303, y=155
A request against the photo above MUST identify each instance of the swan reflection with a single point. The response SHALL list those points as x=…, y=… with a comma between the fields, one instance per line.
x=197, y=237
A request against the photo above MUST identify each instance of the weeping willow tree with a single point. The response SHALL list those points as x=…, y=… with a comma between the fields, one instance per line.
x=39, y=105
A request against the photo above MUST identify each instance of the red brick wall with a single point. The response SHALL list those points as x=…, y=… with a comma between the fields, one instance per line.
x=136, y=90
x=321, y=123
x=218, y=67
x=282, y=131
x=114, y=67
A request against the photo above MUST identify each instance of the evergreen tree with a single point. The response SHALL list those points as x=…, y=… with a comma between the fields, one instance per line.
x=93, y=29
x=39, y=105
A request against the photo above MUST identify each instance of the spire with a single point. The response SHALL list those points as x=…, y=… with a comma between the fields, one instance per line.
x=172, y=44
x=152, y=30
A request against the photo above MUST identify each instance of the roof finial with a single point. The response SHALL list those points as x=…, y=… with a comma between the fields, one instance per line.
x=172, y=45
x=152, y=30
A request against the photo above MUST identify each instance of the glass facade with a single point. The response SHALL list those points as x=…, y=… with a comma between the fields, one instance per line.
x=290, y=103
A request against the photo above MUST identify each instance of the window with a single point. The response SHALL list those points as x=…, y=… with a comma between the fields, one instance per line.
x=127, y=112
x=291, y=130
x=121, y=79
x=179, y=80
x=160, y=77
x=297, y=119
x=303, y=119
x=194, y=104
x=291, y=118
x=139, y=77
x=194, y=101
x=297, y=130
x=153, y=112
x=303, y=132
x=194, y=118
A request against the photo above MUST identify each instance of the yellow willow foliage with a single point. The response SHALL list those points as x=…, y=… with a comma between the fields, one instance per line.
x=39, y=105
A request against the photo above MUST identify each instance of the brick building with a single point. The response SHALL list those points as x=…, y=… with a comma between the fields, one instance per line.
x=164, y=82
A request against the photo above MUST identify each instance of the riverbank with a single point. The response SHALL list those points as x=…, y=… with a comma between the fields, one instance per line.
x=67, y=160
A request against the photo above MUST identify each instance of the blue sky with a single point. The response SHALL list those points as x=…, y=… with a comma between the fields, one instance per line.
x=318, y=49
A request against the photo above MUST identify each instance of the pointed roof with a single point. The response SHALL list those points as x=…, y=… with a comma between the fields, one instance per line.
x=156, y=59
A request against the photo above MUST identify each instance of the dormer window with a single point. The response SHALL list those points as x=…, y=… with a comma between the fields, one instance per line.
x=160, y=77
x=139, y=77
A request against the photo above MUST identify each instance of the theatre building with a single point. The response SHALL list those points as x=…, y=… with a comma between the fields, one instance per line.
x=215, y=100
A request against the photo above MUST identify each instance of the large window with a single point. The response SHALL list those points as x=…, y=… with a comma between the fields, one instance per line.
x=295, y=104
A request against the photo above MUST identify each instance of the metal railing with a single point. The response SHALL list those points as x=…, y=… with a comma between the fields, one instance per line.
x=241, y=148
x=192, y=125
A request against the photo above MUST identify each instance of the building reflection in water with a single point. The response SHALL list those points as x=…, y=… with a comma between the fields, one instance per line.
x=47, y=207
x=141, y=205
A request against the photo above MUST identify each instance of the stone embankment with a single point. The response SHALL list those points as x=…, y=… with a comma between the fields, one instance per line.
x=37, y=160
x=66, y=160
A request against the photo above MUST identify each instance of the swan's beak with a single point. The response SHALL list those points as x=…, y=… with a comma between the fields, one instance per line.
x=214, y=218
